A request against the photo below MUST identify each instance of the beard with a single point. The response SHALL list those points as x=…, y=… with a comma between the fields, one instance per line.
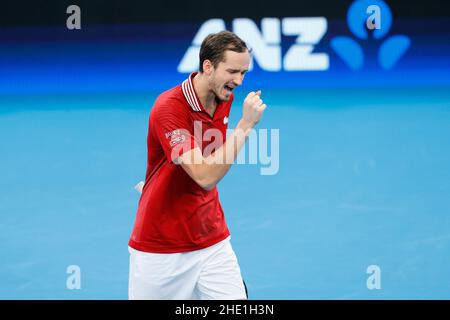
x=222, y=91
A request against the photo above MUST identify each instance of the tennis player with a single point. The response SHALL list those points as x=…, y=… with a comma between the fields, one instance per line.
x=180, y=244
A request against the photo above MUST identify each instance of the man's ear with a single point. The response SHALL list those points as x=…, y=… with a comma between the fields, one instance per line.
x=207, y=67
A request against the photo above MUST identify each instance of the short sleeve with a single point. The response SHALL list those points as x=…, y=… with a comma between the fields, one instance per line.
x=173, y=128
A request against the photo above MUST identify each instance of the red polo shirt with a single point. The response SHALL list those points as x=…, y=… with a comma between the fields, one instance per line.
x=175, y=214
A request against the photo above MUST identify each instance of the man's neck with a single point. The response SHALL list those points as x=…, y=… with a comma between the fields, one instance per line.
x=207, y=97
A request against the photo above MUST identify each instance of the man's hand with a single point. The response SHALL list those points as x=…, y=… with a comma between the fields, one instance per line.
x=253, y=108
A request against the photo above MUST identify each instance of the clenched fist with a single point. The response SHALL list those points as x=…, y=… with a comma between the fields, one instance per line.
x=253, y=108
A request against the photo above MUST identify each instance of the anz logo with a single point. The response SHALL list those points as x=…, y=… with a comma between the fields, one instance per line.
x=362, y=16
x=266, y=44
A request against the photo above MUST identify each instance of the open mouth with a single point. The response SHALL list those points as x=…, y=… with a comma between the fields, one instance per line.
x=228, y=88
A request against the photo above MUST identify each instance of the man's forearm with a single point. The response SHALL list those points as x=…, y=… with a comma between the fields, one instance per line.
x=217, y=164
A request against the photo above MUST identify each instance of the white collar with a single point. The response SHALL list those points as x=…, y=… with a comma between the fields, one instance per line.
x=189, y=93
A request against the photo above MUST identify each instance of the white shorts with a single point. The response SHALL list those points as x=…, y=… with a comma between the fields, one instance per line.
x=211, y=273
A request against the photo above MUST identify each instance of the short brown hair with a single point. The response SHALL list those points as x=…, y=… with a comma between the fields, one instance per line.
x=214, y=46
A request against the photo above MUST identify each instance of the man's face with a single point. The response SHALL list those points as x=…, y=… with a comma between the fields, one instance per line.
x=228, y=74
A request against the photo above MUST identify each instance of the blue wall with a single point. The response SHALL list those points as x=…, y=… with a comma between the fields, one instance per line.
x=145, y=57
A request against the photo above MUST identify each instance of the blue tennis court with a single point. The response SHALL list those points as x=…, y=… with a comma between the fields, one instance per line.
x=358, y=202
x=363, y=180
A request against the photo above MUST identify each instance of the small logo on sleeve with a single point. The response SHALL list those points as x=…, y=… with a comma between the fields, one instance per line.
x=225, y=120
x=175, y=137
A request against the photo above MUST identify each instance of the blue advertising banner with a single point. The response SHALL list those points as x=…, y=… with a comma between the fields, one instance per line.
x=367, y=48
